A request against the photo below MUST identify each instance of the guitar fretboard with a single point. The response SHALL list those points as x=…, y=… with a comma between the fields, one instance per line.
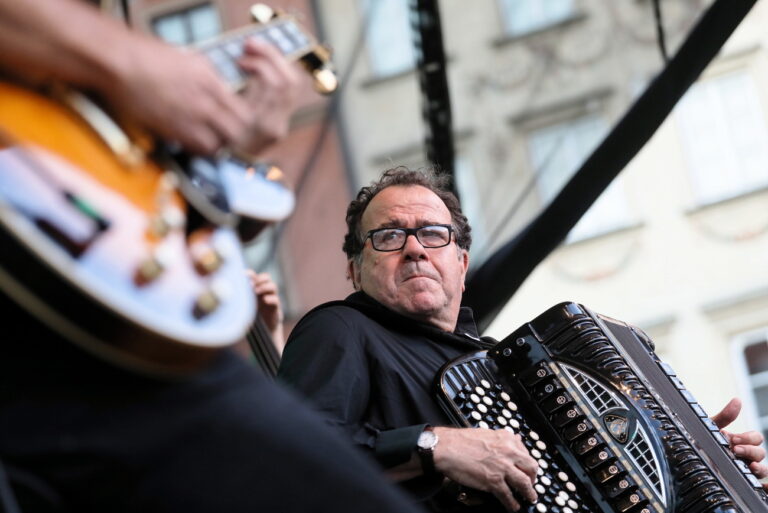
x=281, y=33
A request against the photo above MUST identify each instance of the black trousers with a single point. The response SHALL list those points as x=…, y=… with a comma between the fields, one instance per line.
x=80, y=435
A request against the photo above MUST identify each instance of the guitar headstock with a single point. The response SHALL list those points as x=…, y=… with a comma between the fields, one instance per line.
x=281, y=31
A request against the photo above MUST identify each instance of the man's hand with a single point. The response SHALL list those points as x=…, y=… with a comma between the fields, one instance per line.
x=269, y=307
x=746, y=446
x=494, y=461
x=270, y=93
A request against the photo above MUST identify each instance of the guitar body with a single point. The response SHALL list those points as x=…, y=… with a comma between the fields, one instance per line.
x=100, y=251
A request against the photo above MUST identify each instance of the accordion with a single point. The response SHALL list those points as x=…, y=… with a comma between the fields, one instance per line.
x=612, y=427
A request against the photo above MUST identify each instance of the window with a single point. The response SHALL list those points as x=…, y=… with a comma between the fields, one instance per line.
x=471, y=202
x=755, y=365
x=522, y=16
x=390, y=40
x=724, y=137
x=556, y=152
x=187, y=26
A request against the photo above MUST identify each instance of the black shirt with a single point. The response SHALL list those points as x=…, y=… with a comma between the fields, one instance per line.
x=371, y=372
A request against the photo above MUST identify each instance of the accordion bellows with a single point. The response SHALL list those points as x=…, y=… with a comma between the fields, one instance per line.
x=611, y=425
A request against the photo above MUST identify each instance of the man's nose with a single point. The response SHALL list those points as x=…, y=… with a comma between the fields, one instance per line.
x=413, y=248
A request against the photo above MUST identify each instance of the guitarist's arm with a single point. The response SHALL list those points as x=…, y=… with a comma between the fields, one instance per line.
x=172, y=92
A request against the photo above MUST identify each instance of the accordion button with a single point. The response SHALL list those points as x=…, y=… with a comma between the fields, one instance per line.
x=540, y=489
x=482, y=424
x=541, y=445
x=575, y=430
x=573, y=504
x=564, y=417
x=546, y=481
x=616, y=488
x=559, y=501
x=543, y=464
x=570, y=487
x=533, y=376
x=607, y=472
x=506, y=413
x=536, y=453
x=629, y=500
x=562, y=476
x=533, y=435
x=541, y=508
x=567, y=510
x=505, y=396
x=596, y=458
x=585, y=445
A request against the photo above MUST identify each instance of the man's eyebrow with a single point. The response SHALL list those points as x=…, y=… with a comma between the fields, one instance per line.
x=396, y=223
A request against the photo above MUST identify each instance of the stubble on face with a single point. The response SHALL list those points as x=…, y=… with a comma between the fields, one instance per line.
x=425, y=284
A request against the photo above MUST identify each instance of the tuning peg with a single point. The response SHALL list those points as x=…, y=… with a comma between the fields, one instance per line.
x=262, y=13
x=324, y=80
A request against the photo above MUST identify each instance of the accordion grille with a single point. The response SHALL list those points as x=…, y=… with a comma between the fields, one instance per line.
x=639, y=450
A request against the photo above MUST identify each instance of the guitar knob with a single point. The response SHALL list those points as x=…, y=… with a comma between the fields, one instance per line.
x=148, y=271
x=206, y=259
x=205, y=304
x=170, y=218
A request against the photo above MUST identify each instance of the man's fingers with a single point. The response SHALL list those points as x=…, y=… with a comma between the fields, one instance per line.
x=519, y=481
x=749, y=452
x=728, y=414
x=748, y=438
x=758, y=469
x=502, y=492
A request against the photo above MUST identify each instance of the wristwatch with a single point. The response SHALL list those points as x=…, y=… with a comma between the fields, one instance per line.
x=425, y=447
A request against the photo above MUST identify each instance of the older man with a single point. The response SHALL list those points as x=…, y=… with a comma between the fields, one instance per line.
x=369, y=362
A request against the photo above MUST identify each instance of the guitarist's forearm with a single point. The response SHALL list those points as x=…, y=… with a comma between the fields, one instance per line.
x=66, y=40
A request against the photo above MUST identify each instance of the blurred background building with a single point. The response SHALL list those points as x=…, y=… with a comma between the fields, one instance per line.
x=678, y=245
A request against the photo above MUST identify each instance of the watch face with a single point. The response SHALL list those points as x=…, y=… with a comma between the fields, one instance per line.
x=427, y=440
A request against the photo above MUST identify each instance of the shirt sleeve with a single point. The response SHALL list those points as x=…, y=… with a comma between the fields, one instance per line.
x=325, y=361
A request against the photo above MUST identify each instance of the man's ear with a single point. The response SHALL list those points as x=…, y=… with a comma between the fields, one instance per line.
x=464, y=257
x=353, y=273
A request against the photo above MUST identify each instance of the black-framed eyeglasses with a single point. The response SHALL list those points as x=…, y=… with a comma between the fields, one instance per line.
x=393, y=239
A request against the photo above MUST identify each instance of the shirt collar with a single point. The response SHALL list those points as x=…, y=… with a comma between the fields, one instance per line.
x=465, y=325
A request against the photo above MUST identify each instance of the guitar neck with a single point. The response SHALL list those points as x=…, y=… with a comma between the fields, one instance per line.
x=282, y=33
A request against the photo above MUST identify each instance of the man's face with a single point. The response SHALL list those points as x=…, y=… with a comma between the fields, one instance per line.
x=422, y=283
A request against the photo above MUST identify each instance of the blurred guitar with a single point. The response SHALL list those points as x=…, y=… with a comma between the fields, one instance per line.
x=119, y=242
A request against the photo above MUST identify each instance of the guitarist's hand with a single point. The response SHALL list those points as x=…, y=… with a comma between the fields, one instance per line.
x=177, y=94
x=270, y=92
